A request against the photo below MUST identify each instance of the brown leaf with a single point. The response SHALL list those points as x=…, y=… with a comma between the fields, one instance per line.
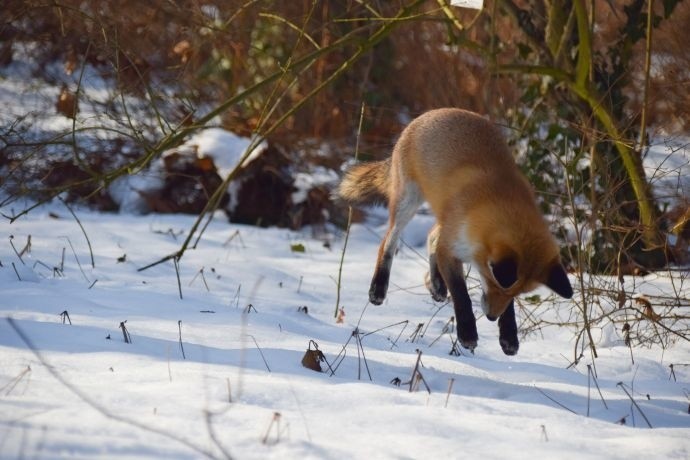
x=648, y=311
x=183, y=49
x=312, y=360
x=205, y=164
x=341, y=316
x=67, y=103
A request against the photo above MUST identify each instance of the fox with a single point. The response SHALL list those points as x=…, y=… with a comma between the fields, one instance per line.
x=485, y=210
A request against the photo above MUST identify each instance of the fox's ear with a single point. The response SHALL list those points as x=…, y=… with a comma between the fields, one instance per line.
x=505, y=271
x=557, y=281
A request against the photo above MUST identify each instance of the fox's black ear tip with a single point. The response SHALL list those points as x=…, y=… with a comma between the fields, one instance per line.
x=568, y=294
x=505, y=272
x=558, y=281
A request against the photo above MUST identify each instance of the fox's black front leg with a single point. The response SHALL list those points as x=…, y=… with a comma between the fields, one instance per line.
x=451, y=270
x=507, y=331
x=467, y=324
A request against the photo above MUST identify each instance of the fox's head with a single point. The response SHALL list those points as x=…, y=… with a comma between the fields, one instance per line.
x=508, y=275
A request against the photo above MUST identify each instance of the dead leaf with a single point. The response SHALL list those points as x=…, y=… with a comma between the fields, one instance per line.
x=67, y=103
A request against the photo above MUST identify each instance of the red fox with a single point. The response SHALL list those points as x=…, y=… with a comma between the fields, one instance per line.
x=485, y=210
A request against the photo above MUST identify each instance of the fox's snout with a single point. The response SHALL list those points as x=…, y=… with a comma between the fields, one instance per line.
x=494, y=308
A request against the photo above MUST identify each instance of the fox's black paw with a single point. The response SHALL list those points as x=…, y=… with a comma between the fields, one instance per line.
x=510, y=346
x=376, y=298
x=467, y=335
x=379, y=287
x=469, y=344
x=437, y=288
x=377, y=292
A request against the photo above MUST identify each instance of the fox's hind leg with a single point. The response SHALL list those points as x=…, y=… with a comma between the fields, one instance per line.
x=433, y=279
x=507, y=331
x=401, y=210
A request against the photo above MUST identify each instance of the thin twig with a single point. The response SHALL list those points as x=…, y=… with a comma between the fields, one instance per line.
x=169, y=369
x=430, y=320
x=622, y=385
x=77, y=259
x=598, y=389
x=647, y=68
x=338, y=359
x=179, y=327
x=62, y=260
x=203, y=278
x=176, y=263
x=275, y=420
x=349, y=222
x=395, y=342
x=125, y=332
x=385, y=327
x=65, y=317
x=88, y=242
x=27, y=247
x=16, y=272
x=15, y=381
x=415, y=370
x=450, y=389
x=447, y=329
x=15, y=250
x=416, y=333
x=561, y=405
x=236, y=298
x=260, y=351
x=361, y=347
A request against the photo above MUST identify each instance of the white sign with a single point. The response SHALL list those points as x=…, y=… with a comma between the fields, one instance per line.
x=474, y=4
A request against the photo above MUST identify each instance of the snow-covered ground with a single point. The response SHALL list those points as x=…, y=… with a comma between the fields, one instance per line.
x=79, y=391
x=218, y=372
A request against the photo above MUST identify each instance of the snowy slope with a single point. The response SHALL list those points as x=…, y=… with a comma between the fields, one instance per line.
x=80, y=391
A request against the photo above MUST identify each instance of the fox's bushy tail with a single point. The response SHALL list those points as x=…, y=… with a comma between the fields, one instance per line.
x=366, y=183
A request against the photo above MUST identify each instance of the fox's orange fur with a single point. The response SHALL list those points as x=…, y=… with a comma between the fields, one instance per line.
x=486, y=213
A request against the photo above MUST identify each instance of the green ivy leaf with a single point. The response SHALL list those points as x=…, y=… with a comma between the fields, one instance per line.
x=297, y=247
x=535, y=298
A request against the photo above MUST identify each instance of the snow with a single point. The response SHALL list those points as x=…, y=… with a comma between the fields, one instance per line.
x=473, y=4
x=126, y=190
x=224, y=147
x=304, y=182
x=80, y=391
x=72, y=388
x=667, y=167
